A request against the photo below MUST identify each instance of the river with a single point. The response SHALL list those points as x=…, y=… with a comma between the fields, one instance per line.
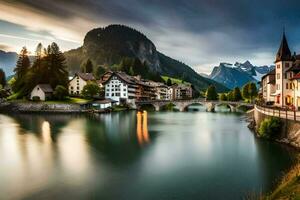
x=159, y=155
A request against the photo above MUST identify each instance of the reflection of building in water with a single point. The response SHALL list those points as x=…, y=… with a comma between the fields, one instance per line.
x=142, y=128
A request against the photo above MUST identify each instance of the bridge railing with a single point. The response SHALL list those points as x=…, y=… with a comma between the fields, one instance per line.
x=283, y=113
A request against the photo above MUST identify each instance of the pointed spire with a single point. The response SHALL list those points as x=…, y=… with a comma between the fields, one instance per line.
x=284, y=53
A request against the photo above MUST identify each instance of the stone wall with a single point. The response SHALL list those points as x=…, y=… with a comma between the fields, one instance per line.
x=290, y=132
x=40, y=107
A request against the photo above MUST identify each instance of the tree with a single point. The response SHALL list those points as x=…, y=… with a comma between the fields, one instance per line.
x=237, y=96
x=60, y=92
x=211, y=93
x=252, y=91
x=223, y=97
x=89, y=66
x=90, y=90
x=99, y=72
x=169, y=82
x=245, y=91
x=230, y=96
x=55, y=68
x=2, y=78
x=22, y=66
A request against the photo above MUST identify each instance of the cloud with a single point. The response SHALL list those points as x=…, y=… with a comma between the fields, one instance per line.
x=5, y=47
x=200, y=33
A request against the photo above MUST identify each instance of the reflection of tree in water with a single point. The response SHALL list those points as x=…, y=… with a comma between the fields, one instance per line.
x=118, y=136
x=37, y=123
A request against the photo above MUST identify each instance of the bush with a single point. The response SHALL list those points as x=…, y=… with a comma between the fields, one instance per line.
x=36, y=98
x=60, y=92
x=270, y=127
x=90, y=90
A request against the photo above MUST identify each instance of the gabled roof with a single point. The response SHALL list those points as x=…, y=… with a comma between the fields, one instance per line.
x=45, y=87
x=86, y=76
x=272, y=72
x=297, y=76
x=284, y=53
x=295, y=67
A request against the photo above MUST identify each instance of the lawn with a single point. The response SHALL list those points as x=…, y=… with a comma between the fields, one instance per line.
x=174, y=80
x=74, y=100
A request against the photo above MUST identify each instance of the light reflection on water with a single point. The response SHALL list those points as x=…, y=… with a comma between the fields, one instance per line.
x=133, y=155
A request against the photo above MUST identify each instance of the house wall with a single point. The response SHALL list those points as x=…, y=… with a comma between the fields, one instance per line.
x=116, y=89
x=37, y=91
x=76, y=85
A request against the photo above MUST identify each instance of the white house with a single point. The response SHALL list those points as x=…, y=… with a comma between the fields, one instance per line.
x=124, y=88
x=42, y=91
x=79, y=80
x=287, y=69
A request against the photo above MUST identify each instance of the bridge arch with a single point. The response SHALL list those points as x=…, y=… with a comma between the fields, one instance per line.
x=186, y=105
x=229, y=105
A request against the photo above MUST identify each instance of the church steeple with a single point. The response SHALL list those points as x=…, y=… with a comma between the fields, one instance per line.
x=284, y=53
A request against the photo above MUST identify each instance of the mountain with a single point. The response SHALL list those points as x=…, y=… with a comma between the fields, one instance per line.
x=8, y=61
x=107, y=47
x=238, y=74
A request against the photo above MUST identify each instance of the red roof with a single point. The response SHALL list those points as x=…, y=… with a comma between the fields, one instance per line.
x=297, y=76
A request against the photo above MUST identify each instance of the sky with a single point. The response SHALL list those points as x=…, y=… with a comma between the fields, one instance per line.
x=200, y=33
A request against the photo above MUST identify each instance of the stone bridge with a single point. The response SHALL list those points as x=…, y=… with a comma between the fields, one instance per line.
x=182, y=105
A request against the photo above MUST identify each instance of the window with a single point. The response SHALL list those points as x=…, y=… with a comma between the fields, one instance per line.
x=112, y=94
x=107, y=94
x=291, y=86
x=287, y=65
x=38, y=88
x=278, y=66
x=287, y=86
x=72, y=88
x=285, y=75
x=124, y=89
x=124, y=94
x=107, y=90
x=278, y=76
x=117, y=94
x=77, y=88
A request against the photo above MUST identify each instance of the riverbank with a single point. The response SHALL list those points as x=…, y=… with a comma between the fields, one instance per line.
x=289, y=185
x=289, y=133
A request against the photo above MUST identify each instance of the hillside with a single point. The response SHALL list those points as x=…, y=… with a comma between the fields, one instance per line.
x=108, y=47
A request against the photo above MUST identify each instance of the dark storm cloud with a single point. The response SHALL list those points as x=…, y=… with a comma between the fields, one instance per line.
x=199, y=32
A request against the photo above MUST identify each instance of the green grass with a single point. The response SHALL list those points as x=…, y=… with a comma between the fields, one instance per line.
x=289, y=187
x=71, y=100
x=174, y=80
x=74, y=100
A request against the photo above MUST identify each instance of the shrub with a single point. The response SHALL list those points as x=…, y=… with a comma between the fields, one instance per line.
x=90, y=90
x=270, y=127
x=60, y=92
x=36, y=98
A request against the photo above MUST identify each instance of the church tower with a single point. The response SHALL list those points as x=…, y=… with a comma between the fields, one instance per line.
x=284, y=60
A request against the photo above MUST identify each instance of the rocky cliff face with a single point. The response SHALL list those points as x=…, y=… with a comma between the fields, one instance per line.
x=108, y=46
x=8, y=61
x=238, y=74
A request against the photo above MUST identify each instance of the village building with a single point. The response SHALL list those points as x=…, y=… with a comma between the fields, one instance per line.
x=124, y=88
x=181, y=91
x=284, y=90
x=41, y=92
x=79, y=80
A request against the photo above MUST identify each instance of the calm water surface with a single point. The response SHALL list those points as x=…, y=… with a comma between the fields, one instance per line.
x=165, y=155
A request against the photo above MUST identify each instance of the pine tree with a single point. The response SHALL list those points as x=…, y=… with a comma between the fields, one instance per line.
x=252, y=91
x=22, y=67
x=169, y=82
x=245, y=91
x=211, y=93
x=237, y=96
x=89, y=66
x=56, y=66
x=2, y=78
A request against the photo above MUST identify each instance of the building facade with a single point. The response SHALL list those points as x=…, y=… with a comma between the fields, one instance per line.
x=42, y=92
x=281, y=85
x=77, y=83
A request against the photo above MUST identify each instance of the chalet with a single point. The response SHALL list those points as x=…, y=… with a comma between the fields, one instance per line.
x=41, y=92
x=79, y=80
